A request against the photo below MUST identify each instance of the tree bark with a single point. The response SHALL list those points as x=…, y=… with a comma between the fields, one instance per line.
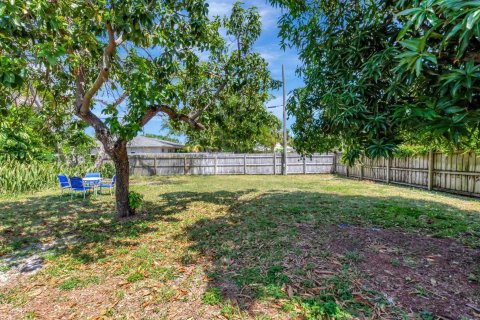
x=120, y=159
x=100, y=156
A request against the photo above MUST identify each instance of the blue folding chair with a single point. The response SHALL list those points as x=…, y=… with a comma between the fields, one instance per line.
x=109, y=185
x=76, y=184
x=63, y=181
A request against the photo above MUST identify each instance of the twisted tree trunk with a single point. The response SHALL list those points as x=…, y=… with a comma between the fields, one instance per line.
x=120, y=159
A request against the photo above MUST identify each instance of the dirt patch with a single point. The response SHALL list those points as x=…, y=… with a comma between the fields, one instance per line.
x=417, y=273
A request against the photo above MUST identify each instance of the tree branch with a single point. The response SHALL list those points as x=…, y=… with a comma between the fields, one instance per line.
x=104, y=71
x=153, y=110
x=190, y=119
x=35, y=96
x=195, y=115
x=115, y=104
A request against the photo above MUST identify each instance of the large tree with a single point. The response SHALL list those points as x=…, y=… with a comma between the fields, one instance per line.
x=381, y=73
x=239, y=122
x=142, y=56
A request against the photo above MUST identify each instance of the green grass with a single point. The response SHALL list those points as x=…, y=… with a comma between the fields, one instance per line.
x=212, y=296
x=199, y=241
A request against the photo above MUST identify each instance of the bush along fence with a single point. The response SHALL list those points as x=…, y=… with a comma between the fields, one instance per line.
x=17, y=177
x=212, y=163
x=456, y=173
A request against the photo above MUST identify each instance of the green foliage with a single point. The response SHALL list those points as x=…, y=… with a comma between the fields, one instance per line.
x=20, y=177
x=439, y=57
x=107, y=169
x=70, y=284
x=39, y=133
x=237, y=125
x=135, y=200
x=160, y=62
x=136, y=276
x=239, y=122
x=382, y=73
x=151, y=57
x=317, y=309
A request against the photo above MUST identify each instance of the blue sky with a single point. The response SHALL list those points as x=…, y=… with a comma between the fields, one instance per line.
x=268, y=45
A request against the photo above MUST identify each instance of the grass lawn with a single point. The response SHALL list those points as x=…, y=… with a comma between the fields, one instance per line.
x=253, y=247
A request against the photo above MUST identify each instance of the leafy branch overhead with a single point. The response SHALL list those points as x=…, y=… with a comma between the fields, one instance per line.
x=149, y=50
x=379, y=74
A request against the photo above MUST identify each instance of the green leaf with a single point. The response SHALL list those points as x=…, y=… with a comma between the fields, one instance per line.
x=473, y=19
x=418, y=67
x=412, y=44
x=453, y=109
x=409, y=12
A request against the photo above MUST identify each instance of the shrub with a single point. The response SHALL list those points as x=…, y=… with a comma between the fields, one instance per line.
x=135, y=200
x=21, y=177
x=107, y=169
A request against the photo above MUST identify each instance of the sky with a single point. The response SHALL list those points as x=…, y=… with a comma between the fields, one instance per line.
x=268, y=45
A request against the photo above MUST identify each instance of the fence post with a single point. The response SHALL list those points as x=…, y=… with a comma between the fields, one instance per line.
x=155, y=165
x=431, y=163
x=245, y=163
x=216, y=165
x=334, y=164
x=362, y=159
x=389, y=164
x=185, y=165
x=274, y=163
x=304, y=165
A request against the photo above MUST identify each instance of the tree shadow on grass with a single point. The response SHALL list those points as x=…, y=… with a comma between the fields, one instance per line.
x=64, y=225
x=319, y=255
x=305, y=251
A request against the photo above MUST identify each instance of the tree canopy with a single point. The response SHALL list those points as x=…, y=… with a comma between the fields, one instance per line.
x=143, y=58
x=239, y=122
x=379, y=74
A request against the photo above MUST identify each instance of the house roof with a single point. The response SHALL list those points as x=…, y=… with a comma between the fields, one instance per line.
x=143, y=142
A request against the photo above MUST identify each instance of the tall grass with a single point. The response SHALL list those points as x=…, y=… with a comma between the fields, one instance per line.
x=17, y=177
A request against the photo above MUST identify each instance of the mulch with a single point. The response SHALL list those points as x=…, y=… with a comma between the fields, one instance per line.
x=417, y=273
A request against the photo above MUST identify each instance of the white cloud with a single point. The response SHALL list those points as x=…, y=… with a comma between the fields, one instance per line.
x=269, y=16
x=268, y=13
x=219, y=8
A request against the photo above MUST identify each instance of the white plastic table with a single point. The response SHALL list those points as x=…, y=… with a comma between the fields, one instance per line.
x=92, y=181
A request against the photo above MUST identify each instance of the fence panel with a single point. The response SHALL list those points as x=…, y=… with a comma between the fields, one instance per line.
x=456, y=172
x=221, y=163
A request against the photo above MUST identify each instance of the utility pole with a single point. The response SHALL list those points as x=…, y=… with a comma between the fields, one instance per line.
x=285, y=168
x=285, y=140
